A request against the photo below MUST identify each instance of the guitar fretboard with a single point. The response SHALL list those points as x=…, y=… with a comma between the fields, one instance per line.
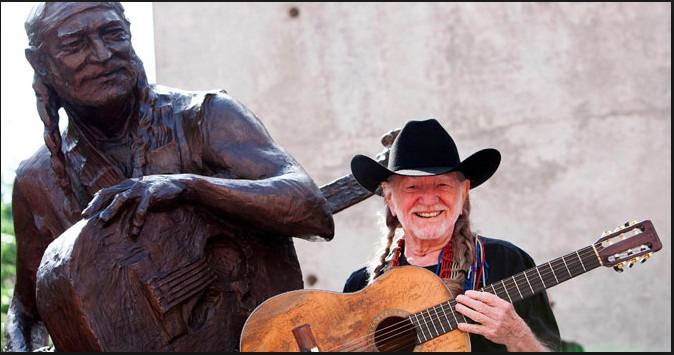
x=343, y=193
x=443, y=318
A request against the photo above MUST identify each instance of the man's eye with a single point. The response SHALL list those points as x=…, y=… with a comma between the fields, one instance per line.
x=115, y=34
x=72, y=45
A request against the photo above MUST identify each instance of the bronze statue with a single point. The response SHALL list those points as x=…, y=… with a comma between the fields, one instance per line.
x=178, y=204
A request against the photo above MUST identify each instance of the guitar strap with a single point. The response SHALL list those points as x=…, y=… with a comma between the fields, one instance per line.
x=477, y=275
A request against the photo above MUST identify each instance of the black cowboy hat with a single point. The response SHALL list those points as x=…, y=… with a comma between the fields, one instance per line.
x=425, y=148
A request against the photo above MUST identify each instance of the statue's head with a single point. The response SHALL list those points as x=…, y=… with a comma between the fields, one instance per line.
x=83, y=51
x=82, y=56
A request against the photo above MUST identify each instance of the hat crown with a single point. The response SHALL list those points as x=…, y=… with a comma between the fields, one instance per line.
x=423, y=144
x=424, y=148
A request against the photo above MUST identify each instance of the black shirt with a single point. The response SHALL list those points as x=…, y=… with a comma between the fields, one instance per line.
x=503, y=259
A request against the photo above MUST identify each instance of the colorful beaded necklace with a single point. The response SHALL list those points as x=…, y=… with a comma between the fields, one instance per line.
x=477, y=275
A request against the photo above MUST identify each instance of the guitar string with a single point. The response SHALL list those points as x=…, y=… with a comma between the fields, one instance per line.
x=393, y=330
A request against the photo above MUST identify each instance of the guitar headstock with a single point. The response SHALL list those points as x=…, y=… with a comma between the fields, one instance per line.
x=628, y=244
x=386, y=140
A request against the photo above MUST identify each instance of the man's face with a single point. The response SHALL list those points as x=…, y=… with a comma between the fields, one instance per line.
x=426, y=206
x=89, y=58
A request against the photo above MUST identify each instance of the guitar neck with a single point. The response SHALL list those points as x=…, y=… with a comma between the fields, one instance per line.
x=443, y=318
x=343, y=193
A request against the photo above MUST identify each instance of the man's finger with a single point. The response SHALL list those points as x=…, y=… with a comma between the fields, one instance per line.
x=486, y=297
x=471, y=313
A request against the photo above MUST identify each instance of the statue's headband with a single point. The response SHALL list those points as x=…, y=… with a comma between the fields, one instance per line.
x=47, y=15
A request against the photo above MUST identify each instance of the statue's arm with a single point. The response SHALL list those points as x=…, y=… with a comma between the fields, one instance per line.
x=24, y=330
x=247, y=178
x=270, y=189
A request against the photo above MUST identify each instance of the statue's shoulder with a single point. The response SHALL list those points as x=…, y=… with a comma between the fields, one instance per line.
x=36, y=170
x=196, y=106
x=39, y=161
x=191, y=98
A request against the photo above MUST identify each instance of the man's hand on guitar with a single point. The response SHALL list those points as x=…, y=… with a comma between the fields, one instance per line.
x=496, y=320
x=138, y=193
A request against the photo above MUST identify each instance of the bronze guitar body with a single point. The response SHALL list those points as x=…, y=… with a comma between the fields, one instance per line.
x=373, y=319
x=186, y=283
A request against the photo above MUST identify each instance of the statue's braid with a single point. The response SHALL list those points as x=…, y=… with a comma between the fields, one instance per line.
x=48, y=105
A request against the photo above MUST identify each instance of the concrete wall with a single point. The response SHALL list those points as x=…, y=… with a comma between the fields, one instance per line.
x=577, y=97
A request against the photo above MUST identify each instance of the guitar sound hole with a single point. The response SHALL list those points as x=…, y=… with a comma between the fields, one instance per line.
x=395, y=334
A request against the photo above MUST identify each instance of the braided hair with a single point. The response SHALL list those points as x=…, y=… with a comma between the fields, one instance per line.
x=43, y=17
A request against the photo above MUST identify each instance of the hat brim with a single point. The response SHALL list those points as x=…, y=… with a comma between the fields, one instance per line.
x=477, y=168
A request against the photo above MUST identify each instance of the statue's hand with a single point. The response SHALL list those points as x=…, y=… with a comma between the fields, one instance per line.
x=138, y=195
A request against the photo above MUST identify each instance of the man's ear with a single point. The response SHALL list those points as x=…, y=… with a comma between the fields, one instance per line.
x=36, y=60
x=386, y=191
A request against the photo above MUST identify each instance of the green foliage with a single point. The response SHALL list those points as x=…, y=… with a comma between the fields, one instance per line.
x=7, y=224
x=8, y=261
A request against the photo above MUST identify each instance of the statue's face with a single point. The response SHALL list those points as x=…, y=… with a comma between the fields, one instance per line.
x=89, y=58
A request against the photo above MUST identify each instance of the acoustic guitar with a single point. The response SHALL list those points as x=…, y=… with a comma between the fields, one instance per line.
x=410, y=309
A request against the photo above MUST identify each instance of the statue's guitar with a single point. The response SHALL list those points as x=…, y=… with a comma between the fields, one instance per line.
x=187, y=283
x=410, y=309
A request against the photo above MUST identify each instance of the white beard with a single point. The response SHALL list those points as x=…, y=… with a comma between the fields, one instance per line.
x=428, y=231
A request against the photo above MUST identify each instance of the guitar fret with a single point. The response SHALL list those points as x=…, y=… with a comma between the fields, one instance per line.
x=550, y=277
x=506, y=290
x=571, y=264
x=581, y=261
x=529, y=283
x=535, y=282
x=494, y=291
x=427, y=327
x=541, y=277
x=561, y=267
x=552, y=270
x=520, y=283
x=421, y=331
x=442, y=325
x=453, y=312
x=517, y=287
x=591, y=258
x=567, y=268
x=430, y=317
x=448, y=320
x=517, y=284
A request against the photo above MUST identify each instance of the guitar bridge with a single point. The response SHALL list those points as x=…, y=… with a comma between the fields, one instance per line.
x=305, y=339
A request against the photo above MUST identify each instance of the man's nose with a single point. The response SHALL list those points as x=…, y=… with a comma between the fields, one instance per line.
x=99, y=50
x=428, y=196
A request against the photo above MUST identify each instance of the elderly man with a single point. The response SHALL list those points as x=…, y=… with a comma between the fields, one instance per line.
x=131, y=147
x=426, y=188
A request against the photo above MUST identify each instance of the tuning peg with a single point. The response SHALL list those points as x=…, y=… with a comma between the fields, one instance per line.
x=631, y=263
x=645, y=257
x=619, y=267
